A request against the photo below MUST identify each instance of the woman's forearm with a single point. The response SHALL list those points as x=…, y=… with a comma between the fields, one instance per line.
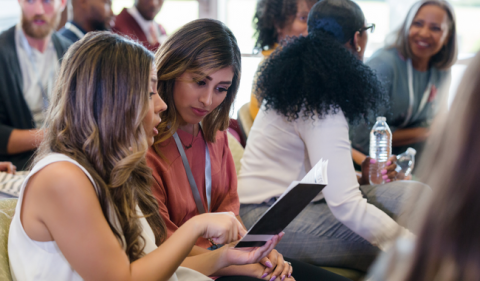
x=357, y=156
x=165, y=260
x=254, y=270
x=208, y=263
x=408, y=136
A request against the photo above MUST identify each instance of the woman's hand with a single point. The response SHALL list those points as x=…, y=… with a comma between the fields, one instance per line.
x=276, y=266
x=8, y=167
x=257, y=271
x=241, y=256
x=388, y=173
x=222, y=228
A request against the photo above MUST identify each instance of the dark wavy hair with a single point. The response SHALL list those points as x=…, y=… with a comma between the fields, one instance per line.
x=317, y=74
x=269, y=15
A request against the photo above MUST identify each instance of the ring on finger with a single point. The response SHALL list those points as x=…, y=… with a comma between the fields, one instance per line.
x=288, y=262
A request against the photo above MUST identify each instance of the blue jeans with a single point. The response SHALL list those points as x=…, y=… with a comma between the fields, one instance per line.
x=315, y=236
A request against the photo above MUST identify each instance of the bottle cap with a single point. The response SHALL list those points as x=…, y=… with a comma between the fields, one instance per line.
x=411, y=151
x=381, y=118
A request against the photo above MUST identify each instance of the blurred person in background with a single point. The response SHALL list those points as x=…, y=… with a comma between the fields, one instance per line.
x=274, y=21
x=447, y=247
x=30, y=54
x=138, y=23
x=415, y=71
x=7, y=167
x=88, y=15
x=311, y=88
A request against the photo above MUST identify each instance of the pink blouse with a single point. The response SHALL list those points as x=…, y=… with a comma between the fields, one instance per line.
x=171, y=186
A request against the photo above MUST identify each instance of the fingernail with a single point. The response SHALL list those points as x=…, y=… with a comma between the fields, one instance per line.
x=273, y=278
x=389, y=162
x=373, y=161
x=384, y=172
x=289, y=275
x=264, y=275
x=387, y=180
x=385, y=177
x=283, y=277
x=268, y=264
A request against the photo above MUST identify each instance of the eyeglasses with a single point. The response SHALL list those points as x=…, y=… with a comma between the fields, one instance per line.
x=371, y=27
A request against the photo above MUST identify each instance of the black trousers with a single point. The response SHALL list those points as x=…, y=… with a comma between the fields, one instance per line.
x=302, y=271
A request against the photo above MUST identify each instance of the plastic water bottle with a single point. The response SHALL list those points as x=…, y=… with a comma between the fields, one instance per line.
x=406, y=162
x=380, y=149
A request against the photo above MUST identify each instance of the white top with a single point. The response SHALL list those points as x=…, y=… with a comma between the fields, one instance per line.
x=39, y=71
x=34, y=260
x=279, y=152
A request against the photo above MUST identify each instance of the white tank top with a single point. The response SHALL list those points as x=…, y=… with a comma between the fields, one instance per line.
x=34, y=260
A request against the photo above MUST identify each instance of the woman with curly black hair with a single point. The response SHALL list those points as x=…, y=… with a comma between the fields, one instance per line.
x=310, y=88
x=274, y=21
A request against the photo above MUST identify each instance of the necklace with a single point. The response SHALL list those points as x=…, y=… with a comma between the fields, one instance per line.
x=191, y=143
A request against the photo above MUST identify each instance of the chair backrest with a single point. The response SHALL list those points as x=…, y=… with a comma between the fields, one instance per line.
x=236, y=149
x=245, y=120
x=236, y=131
x=7, y=209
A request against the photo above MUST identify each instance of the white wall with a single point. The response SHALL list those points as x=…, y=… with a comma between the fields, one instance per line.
x=9, y=13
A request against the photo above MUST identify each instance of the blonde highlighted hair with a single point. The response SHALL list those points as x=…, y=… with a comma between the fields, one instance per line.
x=95, y=117
x=202, y=47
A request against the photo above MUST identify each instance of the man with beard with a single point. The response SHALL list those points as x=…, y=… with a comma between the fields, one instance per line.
x=137, y=23
x=30, y=54
x=88, y=15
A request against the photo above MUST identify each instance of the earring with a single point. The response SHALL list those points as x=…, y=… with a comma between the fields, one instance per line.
x=359, y=49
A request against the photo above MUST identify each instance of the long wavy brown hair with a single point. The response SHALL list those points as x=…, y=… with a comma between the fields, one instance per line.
x=95, y=117
x=203, y=47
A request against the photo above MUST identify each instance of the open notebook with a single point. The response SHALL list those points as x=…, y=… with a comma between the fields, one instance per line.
x=297, y=196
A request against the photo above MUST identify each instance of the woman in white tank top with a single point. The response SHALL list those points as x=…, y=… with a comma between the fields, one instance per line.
x=86, y=211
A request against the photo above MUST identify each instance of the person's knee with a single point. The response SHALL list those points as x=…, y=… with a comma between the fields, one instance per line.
x=407, y=188
x=251, y=212
x=416, y=189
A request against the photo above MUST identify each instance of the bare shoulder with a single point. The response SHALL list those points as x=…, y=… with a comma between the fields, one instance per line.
x=55, y=194
x=60, y=181
x=56, y=176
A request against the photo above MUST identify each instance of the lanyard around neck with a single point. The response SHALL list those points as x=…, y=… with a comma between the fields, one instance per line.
x=191, y=179
x=411, y=97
